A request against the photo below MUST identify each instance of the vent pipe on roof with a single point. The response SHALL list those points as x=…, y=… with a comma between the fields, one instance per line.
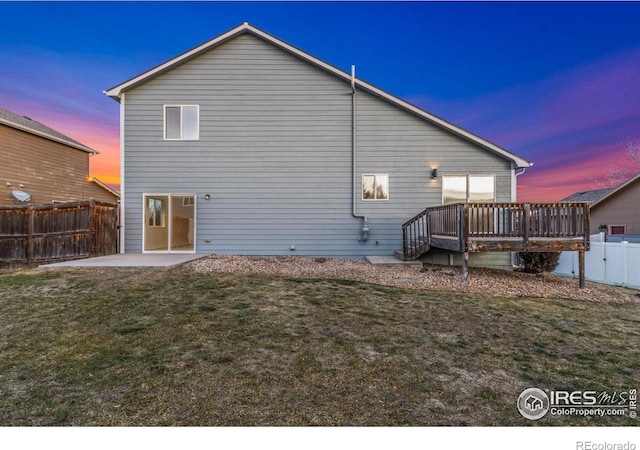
x=353, y=78
x=365, y=222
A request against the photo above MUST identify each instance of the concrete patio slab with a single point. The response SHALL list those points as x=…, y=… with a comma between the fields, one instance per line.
x=132, y=260
x=390, y=260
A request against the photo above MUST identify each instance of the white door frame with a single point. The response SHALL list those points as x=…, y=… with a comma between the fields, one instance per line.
x=169, y=216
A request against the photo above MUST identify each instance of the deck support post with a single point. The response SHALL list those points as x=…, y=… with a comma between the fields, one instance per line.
x=465, y=267
x=581, y=268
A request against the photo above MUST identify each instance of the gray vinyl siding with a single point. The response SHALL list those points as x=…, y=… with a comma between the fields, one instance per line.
x=393, y=141
x=275, y=155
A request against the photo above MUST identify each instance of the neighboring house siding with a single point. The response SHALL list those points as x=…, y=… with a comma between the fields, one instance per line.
x=95, y=192
x=619, y=209
x=275, y=155
x=47, y=170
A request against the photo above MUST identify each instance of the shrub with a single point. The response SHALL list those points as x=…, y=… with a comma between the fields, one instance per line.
x=534, y=262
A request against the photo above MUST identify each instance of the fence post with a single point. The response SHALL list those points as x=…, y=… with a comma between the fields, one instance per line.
x=92, y=228
x=30, y=227
x=625, y=269
x=604, y=261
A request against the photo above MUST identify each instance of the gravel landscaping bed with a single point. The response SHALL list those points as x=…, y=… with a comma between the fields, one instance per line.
x=428, y=277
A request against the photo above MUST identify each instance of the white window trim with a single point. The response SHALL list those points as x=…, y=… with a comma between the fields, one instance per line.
x=468, y=175
x=164, y=122
x=374, y=190
x=169, y=212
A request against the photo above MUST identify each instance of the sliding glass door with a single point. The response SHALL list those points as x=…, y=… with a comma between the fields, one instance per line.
x=169, y=223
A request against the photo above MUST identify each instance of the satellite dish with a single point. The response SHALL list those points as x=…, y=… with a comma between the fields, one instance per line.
x=21, y=196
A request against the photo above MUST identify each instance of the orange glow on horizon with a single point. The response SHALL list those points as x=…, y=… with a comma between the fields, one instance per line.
x=560, y=182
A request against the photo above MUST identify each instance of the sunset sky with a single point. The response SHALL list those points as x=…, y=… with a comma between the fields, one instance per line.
x=556, y=83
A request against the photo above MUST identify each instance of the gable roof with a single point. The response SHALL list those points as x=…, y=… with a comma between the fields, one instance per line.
x=28, y=125
x=631, y=181
x=587, y=196
x=105, y=187
x=116, y=91
x=598, y=196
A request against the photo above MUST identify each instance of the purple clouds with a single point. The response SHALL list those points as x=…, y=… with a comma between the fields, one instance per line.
x=571, y=124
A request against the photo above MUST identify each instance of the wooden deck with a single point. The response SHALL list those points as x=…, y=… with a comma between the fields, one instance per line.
x=498, y=227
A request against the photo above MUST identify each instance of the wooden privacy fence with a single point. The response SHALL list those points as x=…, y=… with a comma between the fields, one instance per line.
x=35, y=234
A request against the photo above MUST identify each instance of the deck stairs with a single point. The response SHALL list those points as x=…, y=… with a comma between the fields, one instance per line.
x=417, y=248
x=416, y=239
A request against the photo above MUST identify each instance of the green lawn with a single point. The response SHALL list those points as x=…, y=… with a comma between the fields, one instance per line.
x=156, y=347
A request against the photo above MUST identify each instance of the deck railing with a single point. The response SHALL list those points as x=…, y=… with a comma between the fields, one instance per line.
x=476, y=227
x=540, y=220
x=499, y=227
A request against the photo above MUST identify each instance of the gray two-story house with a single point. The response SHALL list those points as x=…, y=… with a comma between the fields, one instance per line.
x=248, y=145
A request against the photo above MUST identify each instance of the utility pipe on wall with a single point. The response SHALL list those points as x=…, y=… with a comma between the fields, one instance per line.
x=365, y=221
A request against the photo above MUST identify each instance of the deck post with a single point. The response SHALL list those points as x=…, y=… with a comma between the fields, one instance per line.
x=465, y=267
x=581, y=269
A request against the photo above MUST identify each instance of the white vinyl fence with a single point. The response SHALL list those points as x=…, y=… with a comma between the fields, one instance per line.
x=615, y=263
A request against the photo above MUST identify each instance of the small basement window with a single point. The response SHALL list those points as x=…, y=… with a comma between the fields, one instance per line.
x=182, y=122
x=375, y=187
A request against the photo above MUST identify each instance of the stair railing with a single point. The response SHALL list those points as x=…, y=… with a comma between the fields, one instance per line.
x=415, y=236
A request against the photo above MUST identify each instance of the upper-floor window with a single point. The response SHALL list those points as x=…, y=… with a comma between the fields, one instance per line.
x=468, y=189
x=181, y=122
x=375, y=187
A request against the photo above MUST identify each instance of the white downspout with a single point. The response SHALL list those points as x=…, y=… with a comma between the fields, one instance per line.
x=514, y=198
x=514, y=182
x=365, y=221
x=122, y=203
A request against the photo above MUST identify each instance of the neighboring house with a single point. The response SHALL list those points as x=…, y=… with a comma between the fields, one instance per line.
x=45, y=164
x=613, y=210
x=248, y=145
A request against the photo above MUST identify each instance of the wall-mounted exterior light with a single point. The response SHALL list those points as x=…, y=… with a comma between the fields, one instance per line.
x=207, y=196
x=434, y=174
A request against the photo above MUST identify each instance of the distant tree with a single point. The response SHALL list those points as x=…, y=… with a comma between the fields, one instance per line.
x=622, y=169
